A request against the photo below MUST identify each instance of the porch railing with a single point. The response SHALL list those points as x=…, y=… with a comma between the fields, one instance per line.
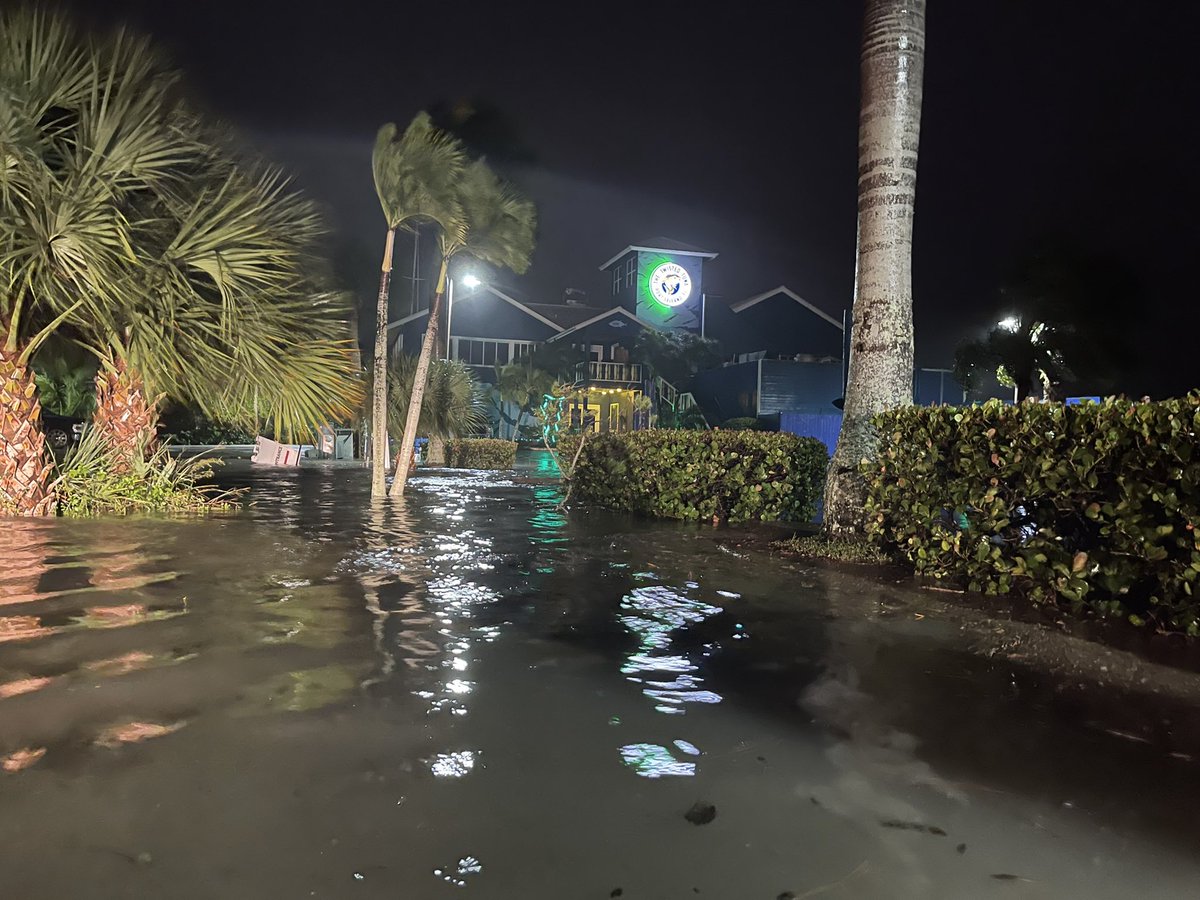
x=613, y=372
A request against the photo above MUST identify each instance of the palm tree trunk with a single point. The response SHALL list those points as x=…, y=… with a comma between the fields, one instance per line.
x=379, y=429
x=437, y=450
x=881, y=343
x=24, y=464
x=125, y=418
x=418, y=389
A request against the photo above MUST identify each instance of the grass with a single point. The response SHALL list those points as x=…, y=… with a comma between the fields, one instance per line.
x=818, y=546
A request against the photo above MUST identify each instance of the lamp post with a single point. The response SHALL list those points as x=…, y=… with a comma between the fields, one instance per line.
x=1011, y=324
x=469, y=281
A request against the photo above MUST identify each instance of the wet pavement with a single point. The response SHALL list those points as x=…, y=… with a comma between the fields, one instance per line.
x=474, y=694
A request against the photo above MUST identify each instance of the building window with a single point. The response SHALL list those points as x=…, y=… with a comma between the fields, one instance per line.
x=616, y=279
x=481, y=352
x=631, y=271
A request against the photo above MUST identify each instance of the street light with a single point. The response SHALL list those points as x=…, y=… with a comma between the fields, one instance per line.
x=469, y=281
x=1011, y=323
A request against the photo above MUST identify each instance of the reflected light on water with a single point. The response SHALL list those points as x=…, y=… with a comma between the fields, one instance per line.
x=453, y=765
x=135, y=732
x=655, y=761
x=21, y=759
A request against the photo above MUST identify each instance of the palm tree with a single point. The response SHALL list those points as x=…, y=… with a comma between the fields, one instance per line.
x=223, y=286
x=881, y=342
x=523, y=385
x=495, y=226
x=415, y=178
x=133, y=230
x=452, y=406
x=60, y=244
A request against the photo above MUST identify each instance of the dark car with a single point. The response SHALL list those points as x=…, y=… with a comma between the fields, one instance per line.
x=61, y=431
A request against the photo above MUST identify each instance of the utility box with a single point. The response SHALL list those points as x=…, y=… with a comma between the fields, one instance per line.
x=343, y=443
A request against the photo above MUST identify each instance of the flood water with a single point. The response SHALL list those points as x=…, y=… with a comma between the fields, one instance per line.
x=473, y=694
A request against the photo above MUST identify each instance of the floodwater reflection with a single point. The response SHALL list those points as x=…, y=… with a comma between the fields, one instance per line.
x=324, y=696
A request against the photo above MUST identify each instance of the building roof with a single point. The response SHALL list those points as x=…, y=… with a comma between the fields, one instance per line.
x=601, y=315
x=563, y=315
x=528, y=308
x=663, y=245
x=784, y=290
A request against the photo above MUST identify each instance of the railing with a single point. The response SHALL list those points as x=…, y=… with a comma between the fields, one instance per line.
x=666, y=392
x=621, y=373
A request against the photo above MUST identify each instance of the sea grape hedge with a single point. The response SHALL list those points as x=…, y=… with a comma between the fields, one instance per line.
x=733, y=476
x=481, y=453
x=1095, y=505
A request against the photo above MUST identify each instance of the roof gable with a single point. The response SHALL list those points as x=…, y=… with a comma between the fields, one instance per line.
x=784, y=290
x=662, y=245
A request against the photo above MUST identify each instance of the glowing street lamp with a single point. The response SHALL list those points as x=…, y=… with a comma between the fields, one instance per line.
x=471, y=281
x=1011, y=323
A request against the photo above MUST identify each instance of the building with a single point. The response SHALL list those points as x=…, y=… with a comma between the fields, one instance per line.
x=782, y=353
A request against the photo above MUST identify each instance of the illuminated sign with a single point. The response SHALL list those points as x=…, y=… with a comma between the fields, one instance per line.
x=670, y=284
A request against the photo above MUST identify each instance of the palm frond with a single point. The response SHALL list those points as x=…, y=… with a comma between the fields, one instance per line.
x=416, y=175
x=500, y=224
x=452, y=406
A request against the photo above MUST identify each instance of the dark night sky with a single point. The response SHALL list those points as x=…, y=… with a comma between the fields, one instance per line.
x=736, y=130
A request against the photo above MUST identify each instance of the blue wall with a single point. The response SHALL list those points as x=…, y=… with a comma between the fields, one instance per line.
x=799, y=387
x=825, y=427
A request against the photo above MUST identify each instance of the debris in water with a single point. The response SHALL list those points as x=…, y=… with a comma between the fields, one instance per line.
x=961, y=848
x=616, y=892
x=1005, y=876
x=701, y=813
x=688, y=748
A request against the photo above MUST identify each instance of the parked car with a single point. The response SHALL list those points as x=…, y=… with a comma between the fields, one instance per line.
x=62, y=432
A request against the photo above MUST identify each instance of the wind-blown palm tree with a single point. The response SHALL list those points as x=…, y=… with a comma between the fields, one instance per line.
x=495, y=226
x=415, y=179
x=127, y=226
x=881, y=341
x=61, y=246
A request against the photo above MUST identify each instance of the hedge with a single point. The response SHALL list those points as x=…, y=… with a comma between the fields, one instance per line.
x=733, y=476
x=1094, y=505
x=481, y=453
x=743, y=423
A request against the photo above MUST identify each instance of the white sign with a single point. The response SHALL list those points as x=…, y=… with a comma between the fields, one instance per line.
x=670, y=284
x=271, y=453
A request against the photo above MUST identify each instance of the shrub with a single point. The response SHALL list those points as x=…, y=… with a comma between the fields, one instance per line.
x=481, y=453
x=89, y=484
x=1093, y=504
x=733, y=476
x=743, y=423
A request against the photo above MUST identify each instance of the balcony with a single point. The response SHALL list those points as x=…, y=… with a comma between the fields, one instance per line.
x=612, y=373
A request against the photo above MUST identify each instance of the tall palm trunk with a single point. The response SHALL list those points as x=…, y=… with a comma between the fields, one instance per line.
x=379, y=429
x=24, y=464
x=125, y=417
x=418, y=388
x=881, y=341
